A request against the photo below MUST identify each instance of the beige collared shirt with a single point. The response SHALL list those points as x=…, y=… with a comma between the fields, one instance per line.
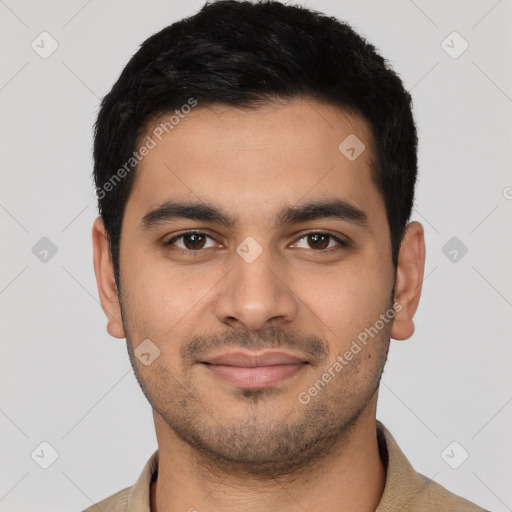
x=405, y=489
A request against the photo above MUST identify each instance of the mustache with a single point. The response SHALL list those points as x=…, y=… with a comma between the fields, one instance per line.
x=314, y=349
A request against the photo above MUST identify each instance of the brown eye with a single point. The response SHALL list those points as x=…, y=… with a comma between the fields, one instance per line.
x=192, y=241
x=321, y=241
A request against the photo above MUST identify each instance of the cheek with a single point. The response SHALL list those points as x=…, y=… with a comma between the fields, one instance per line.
x=161, y=299
x=347, y=302
x=342, y=294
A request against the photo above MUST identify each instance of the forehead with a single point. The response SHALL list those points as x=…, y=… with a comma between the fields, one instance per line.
x=254, y=161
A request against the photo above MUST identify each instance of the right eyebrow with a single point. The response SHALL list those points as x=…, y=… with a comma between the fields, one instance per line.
x=171, y=210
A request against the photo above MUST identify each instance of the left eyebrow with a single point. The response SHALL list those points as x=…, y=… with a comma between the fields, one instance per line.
x=339, y=209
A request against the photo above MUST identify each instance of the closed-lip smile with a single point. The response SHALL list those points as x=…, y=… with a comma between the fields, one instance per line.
x=254, y=369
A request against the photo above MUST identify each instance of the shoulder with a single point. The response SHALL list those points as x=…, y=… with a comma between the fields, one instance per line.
x=439, y=498
x=134, y=497
x=408, y=490
x=115, y=503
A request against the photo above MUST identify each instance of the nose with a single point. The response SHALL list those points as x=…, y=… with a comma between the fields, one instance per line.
x=256, y=294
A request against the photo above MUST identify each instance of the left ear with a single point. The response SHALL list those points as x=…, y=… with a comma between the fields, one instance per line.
x=409, y=280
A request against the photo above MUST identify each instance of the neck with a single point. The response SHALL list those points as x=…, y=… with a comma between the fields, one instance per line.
x=351, y=478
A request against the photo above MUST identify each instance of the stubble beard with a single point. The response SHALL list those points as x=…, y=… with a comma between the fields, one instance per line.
x=262, y=445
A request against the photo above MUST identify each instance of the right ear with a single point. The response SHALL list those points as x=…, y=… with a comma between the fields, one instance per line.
x=104, y=270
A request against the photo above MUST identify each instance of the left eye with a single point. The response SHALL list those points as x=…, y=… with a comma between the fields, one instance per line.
x=321, y=240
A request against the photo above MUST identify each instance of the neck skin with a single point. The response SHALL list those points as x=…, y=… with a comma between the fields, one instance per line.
x=351, y=478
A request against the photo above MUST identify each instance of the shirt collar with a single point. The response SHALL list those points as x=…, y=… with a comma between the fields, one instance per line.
x=403, y=483
x=139, y=497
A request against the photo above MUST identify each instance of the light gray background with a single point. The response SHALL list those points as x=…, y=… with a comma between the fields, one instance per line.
x=65, y=381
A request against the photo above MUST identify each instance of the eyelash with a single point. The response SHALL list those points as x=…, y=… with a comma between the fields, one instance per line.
x=170, y=242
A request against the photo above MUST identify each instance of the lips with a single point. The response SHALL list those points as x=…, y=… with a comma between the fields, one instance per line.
x=254, y=370
x=248, y=359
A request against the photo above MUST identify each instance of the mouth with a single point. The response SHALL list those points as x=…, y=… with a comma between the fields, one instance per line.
x=254, y=370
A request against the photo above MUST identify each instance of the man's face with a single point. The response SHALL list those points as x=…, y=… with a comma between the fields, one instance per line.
x=258, y=284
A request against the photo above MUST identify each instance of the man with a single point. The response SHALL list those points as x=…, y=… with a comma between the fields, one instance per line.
x=255, y=167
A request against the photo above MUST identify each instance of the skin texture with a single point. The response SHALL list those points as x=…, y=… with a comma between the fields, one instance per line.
x=223, y=447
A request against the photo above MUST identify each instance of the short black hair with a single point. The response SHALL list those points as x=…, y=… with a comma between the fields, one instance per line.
x=244, y=54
